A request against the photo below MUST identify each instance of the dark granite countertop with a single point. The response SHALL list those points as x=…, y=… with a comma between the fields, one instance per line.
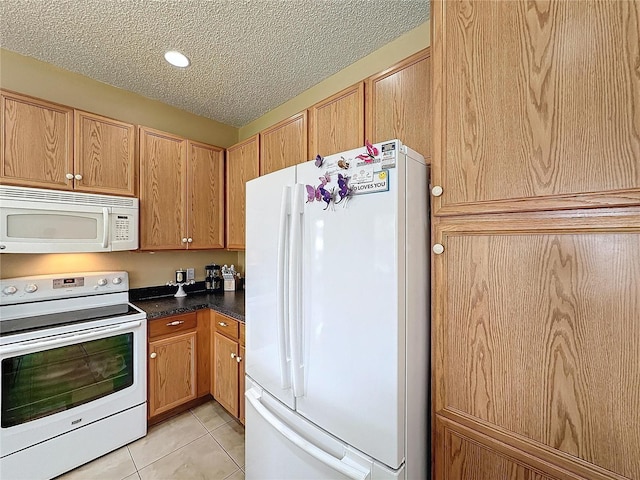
x=160, y=302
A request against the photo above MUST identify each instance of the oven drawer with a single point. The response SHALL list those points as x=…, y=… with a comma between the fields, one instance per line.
x=171, y=325
x=227, y=326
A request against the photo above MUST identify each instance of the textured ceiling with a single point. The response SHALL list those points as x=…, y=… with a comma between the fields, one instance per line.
x=248, y=56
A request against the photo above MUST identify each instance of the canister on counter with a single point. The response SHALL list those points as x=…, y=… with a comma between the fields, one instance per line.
x=181, y=276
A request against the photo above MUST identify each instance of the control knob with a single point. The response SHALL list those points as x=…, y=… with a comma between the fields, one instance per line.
x=102, y=282
x=32, y=287
x=117, y=281
x=10, y=290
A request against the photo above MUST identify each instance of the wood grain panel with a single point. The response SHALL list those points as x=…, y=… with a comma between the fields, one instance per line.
x=536, y=105
x=104, y=154
x=336, y=124
x=204, y=317
x=243, y=164
x=284, y=144
x=469, y=456
x=205, y=191
x=398, y=104
x=162, y=193
x=36, y=142
x=226, y=373
x=173, y=373
x=537, y=335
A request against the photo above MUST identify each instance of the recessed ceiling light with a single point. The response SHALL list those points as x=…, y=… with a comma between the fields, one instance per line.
x=176, y=59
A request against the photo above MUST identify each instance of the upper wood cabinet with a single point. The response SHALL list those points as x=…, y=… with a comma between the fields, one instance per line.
x=205, y=196
x=536, y=105
x=163, y=165
x=284, y=144
x=104, y=155
x=43, y=146
x=181, y=193
x=337, y=123
x=37, y=143
x=398, y=104
x=242, y=165
x=536, y=332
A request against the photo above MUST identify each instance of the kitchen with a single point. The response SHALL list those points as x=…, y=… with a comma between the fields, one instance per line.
x=479, y=422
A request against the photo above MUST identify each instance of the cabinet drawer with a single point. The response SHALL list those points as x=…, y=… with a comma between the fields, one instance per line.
x=242, y=333
x=227, y=326
x=171, y=325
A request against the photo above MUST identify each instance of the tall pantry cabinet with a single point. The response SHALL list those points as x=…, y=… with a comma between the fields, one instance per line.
x=536, y=203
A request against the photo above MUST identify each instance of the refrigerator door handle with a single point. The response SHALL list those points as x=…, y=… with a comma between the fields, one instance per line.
x=282, y=290
x=295, y=315
x=350, y=470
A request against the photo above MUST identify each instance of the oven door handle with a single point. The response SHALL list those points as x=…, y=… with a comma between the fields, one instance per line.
x=31, y=344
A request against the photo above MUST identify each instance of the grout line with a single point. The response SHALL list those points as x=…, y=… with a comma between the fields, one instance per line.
x=228, y=476
x=225, y=450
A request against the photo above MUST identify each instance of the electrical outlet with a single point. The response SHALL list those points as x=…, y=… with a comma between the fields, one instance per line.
x=190, y=274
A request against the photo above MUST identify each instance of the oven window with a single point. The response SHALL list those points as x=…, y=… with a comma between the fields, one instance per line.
x=43, y=383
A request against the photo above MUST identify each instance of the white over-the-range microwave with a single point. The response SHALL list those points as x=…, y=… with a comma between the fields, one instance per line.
x=34, y=220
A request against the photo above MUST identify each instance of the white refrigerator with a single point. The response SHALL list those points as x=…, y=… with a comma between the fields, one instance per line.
x=337, y=318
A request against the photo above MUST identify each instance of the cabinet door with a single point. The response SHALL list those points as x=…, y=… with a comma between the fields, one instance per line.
x=241, y=384
x=37, y=143
x=284, y=144
x=536, y=333
x=242, y=165
x=398, y=103
x=337, y=123
x=466, y=457
x=104, y=155
x=205, y=196
x=226, y=372
x=536, y=105
x=162, y=193
x=172, y=372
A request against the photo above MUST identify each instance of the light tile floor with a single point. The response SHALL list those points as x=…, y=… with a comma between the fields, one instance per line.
x=203, y=443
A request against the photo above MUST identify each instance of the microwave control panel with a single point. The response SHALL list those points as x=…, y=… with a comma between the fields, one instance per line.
x=122, y=223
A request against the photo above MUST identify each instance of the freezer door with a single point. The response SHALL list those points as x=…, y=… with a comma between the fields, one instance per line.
x=352, y=320
x=266, y=289
x=281, y=445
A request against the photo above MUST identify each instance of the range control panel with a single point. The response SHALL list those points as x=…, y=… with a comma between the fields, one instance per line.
x=59, y=286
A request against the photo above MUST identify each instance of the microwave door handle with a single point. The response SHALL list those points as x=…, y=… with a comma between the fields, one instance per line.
x=105, y=227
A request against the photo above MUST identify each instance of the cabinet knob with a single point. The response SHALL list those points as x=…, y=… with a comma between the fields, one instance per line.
x=184, y=239
x=438, y=248
x=238, y=359
x=153, y=355
x=69, y=176
x=78, y=177
x=189, y=239
x=436, y=191
x=176, y=323
x=223, y=324
x=233, y=355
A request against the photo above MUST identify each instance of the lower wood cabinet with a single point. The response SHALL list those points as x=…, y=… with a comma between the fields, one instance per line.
x=228, y=364
x=178, y=362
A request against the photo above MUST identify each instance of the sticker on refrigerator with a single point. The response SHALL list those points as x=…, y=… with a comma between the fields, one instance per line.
x=379, y=183
x=389, y=154
x=362, y=174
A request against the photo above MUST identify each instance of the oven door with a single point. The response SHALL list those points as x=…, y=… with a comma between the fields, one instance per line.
x=54, y=384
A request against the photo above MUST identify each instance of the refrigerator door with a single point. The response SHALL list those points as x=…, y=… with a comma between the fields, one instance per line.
x=266, y=292
x=352, y=316
x=281, y=445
